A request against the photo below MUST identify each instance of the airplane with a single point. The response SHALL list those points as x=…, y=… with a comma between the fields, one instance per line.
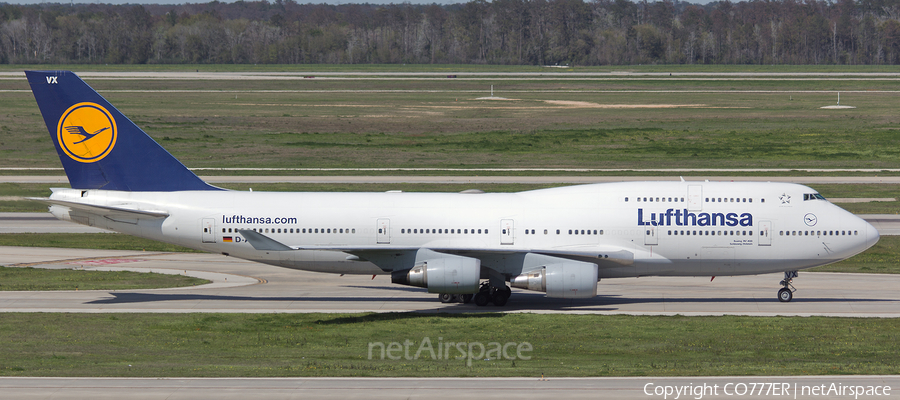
x=467, y=247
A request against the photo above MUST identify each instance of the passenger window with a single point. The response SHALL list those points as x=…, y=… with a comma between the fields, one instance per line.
x=626, y=199
x=545, y=231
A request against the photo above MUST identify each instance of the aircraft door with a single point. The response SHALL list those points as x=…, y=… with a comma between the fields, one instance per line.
x=651, y=235
x=695, y=198
x=765, y=233
x=506, y=231
x=208, y=225
x=383, y=231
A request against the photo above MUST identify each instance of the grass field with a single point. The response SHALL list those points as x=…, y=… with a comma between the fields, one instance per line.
x=441, y=68
x=224, y=345
x=70, y=279
x=563, y=122
x=100, y=241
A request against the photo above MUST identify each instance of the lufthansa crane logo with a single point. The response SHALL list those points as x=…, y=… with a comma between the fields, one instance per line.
x=87, y=132
x=810, y=219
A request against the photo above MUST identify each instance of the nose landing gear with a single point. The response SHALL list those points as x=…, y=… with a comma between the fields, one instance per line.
x=786, y=293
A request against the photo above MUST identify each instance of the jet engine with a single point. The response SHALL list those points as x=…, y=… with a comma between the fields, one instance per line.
x=568, y=280
x=450, y=274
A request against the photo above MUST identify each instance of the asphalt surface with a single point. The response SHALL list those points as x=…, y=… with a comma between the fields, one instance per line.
x=651, y=388
x=246, y=287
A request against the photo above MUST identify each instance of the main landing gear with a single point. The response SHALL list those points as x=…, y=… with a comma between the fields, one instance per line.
x=786, y=293
x=455, y=298
x=497, y=295
x=487, y=294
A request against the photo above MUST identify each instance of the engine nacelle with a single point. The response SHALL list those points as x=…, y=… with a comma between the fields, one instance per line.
x=568, y=280
x=451, y=274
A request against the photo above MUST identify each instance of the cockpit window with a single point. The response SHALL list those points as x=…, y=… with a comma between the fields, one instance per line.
x=813, y=196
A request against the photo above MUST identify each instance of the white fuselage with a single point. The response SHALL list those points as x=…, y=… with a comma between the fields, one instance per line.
x=633, y=229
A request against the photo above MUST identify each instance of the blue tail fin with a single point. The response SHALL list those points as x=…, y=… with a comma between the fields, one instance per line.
x=99, y=147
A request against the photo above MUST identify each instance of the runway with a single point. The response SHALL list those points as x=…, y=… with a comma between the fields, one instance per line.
x=761, y=387
x=245, y=287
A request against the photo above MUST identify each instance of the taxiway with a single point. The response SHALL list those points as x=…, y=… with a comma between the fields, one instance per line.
x=246, y=287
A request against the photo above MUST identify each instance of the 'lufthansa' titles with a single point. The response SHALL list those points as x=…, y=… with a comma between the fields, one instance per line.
x=673, y=217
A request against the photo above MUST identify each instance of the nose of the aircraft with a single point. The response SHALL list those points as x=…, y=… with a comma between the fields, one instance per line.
x=872, y=235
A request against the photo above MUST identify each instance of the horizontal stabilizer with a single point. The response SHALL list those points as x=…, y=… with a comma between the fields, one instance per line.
x=105, y=211
x=262, y=242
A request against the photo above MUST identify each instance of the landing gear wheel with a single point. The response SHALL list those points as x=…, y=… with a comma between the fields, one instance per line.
x=481, y=299
x=448, y=298
x=466, y=298
x=499, y=298
x=785, y=295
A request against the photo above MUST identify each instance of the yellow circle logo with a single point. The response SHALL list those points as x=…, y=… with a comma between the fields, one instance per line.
x=86, y=132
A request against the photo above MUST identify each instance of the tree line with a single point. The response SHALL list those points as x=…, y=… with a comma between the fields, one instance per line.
x=519, y=32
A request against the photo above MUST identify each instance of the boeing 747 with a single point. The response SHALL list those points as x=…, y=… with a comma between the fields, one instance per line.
x=468, y=246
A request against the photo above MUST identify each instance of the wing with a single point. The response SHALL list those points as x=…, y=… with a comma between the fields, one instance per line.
x=388, y=257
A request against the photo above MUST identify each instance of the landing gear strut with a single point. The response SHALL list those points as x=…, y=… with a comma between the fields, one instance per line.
x=786, y=293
